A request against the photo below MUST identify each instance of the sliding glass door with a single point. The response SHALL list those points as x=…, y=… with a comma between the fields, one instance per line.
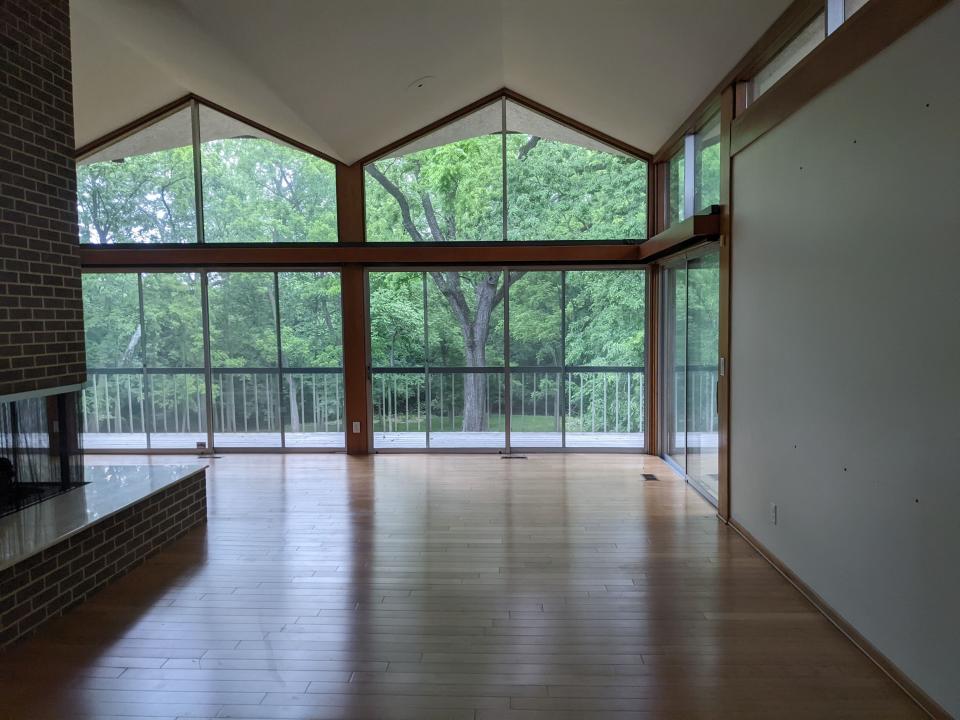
x=256, y=357
x=508, y=359
x=691, y=326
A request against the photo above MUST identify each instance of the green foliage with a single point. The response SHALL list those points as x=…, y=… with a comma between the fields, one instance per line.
x=556, y=191
x=142, y=199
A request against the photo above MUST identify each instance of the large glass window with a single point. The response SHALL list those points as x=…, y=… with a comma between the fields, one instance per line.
x=243, y=356
x=560, y=184
x=114, y=411
x=677, y=184
x=536, y=358
x=311, y=334
x=707, y=171
x=147, y=375
x=257, y=189
x=691, y=323
x=605, y=358
x=398, y=354
x=141, y=188
x=465, y=358
x=447, y=343
x=173, y=341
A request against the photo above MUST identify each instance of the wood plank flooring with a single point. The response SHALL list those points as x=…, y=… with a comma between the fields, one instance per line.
x=447, y=586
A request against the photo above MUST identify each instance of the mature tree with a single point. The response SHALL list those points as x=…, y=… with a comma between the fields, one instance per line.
x=454, y=192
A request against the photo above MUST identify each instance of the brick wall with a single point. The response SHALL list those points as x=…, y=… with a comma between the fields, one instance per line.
x=50, y=583
x=41, y=308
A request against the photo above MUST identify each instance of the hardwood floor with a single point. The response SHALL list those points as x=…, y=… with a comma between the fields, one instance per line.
x=447, y=586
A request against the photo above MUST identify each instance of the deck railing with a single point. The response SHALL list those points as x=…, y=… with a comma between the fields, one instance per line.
x=310, y=400
x=119, y=401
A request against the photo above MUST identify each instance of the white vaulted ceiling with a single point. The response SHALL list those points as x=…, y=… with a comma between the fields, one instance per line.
x=336, y=74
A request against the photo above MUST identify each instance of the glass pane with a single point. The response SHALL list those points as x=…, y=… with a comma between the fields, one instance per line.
x=257, y=189
x=676, y=209
x=140, y=189
x=113, y=402
x=707, y=178
x=564, y=185
x=444, y=187
x=703, y=343
x=605, y=346
x=397, y=350
x=465, y=330
x=675, y=362
x=536, y=359
x=466, y=409
x=173, y=344
x=243, y=354
x=851, y=6
x=311, y=332
x=797, y=49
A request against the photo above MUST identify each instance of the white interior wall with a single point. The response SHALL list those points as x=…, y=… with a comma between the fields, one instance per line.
x=845, y=364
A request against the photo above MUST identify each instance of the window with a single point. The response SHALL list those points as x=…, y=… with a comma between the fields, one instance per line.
x=311, y=356
x=257, y=189
x=797, y=49
x=707, y=161
x=147, y=375
x=243, y=356
x=560, y=184
x=173, y=344
x=569, y=345
x=141, y=188
x=851, y=6
x=677, y=210
x=690, y=352
x=114, y=408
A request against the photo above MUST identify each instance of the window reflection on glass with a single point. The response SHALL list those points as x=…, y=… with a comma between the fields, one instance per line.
x=797, y=49
x=141, y=188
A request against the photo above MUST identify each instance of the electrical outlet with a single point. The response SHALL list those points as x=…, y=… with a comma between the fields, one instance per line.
x=773, y=513
x=356, y=427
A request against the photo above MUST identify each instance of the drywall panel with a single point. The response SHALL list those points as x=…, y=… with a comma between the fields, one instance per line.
x=845, y=365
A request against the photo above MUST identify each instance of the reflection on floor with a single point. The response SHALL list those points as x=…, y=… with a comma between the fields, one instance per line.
x=421, y=587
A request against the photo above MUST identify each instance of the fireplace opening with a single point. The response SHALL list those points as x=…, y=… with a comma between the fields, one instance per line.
x=40, y=450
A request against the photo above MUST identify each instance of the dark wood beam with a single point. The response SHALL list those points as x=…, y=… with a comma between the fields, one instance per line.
x=120, y=258
x=680, y=235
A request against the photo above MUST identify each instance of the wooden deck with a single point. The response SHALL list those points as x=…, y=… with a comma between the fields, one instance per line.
x=381, y=440
x=423, y=587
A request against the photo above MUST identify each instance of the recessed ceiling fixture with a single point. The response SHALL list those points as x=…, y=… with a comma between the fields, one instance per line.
x=420, y=82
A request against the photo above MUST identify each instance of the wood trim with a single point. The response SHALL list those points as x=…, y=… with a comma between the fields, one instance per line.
x=679, y=235
x=577, y=125
x=144, y=120
x=654, y=342
x=123, y=258
x=356, y=378
x=727, y=111
x=914, y=691
x=868, y=31
x=782, y=31
x=517, y=98
x=351, y=218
